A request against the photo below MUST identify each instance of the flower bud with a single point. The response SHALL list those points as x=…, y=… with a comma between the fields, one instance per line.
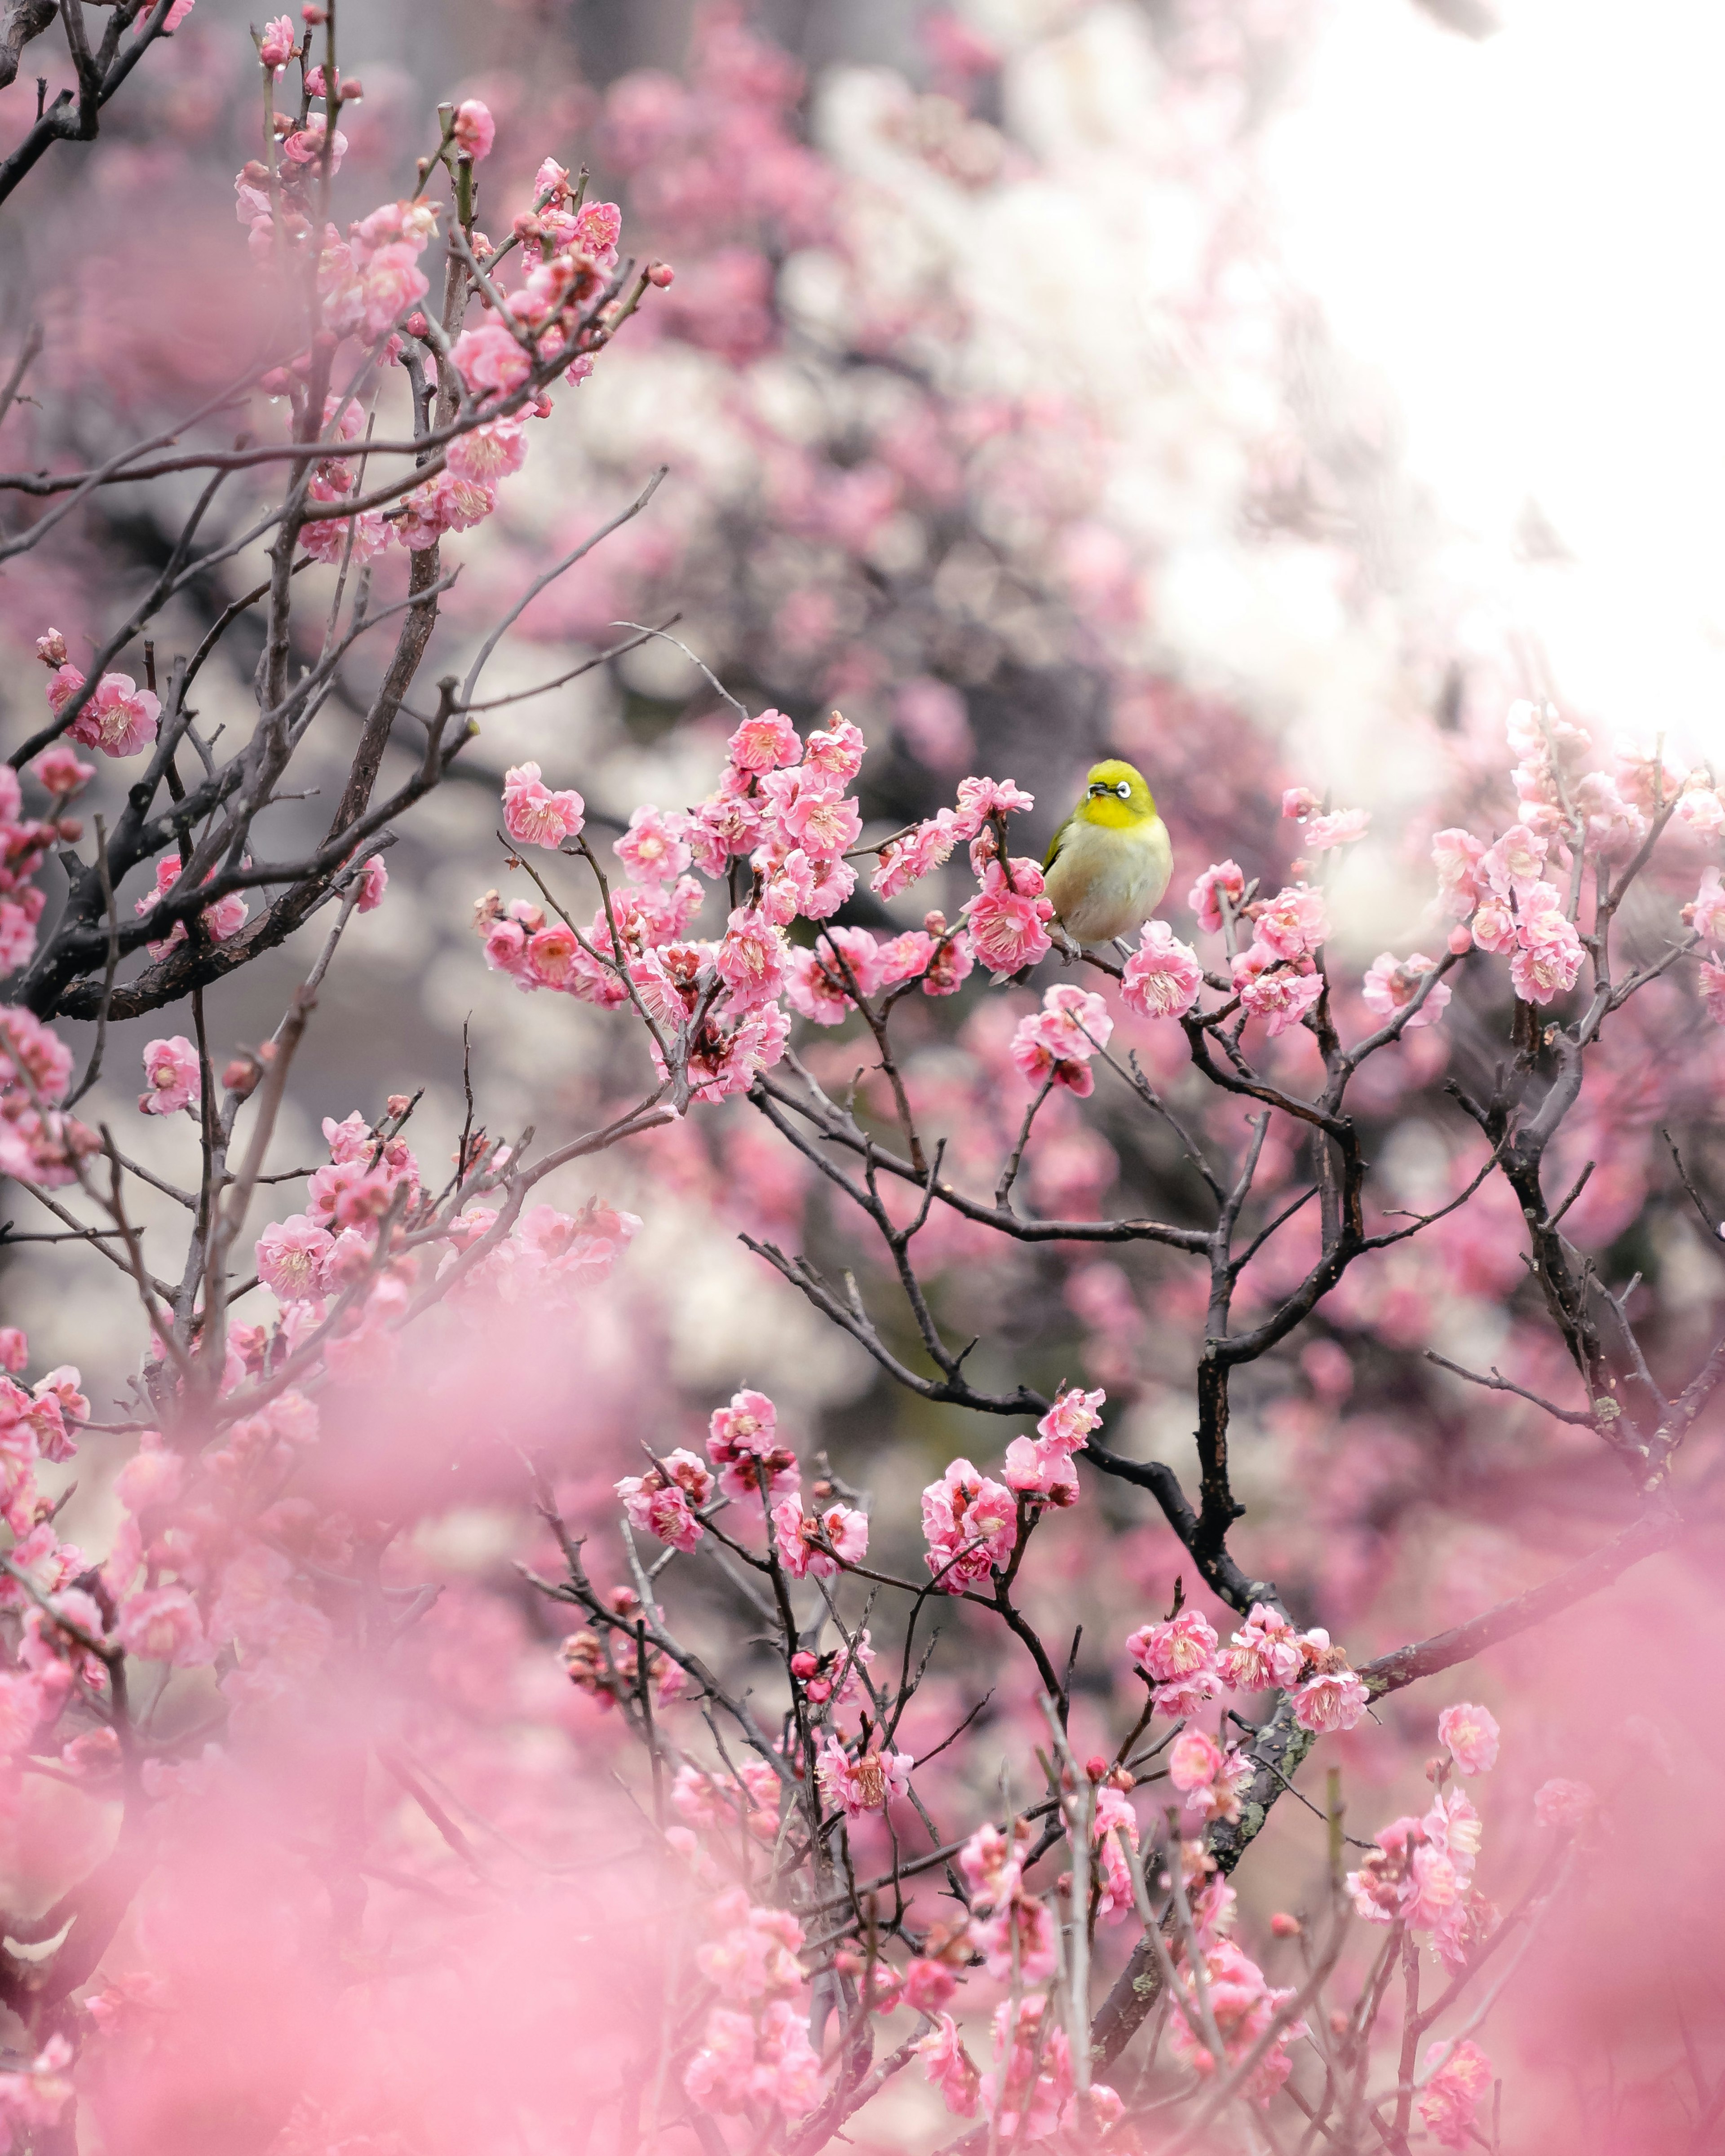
x=313, y=14
x=1286, y=1926
x=1461, y=939
x=660, y=274
x=241, y=1076
x=70, y=829
x=804, y=1665
x=51, y=649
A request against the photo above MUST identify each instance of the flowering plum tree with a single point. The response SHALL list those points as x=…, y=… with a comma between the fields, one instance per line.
x=684, y=1828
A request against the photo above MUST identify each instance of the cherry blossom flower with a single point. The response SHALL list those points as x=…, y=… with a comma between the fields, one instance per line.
x=1005, y=919
x=653, y=849
x=1026, y=2101
x=1564, y=1805
x=1469, y=1734
x=949, y=2066
x=1223, y=880
x=487, y=357
x=1294, y=923
x=175, y=1078
x=907, y=860
x=1344, y=827
x=664, y=1500
x=1265, y=1652
x=742, y=1443
x=1033, y=1468
x=1457, y=854
x=275, y=47
x=866, y=1781
x=1392, y=984
x=751, y=960
x=1055, y=1044
x=1332, y=1697
x=290, y=1257
x=120, y=718
x=224, y=918
x=162, y=1624
x=473, y=129
x=764, y=742
x=1243, y=2006
x=816, y=1543
x=1452, y=2094
x=1194, y=1759
x=1274, y=991
x=60, y=770
x=1162, y=976
x=970, y=1524
x=980, y=798
x=533, y=814
x=1551, y=952
x=373, y=882
x=1179, y=1653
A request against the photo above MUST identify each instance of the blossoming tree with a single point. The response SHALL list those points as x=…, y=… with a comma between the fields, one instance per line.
x=287, y=1763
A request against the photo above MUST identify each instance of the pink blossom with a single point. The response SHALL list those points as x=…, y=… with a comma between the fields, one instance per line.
x=275, y=47
x=1332, y=1697
x=1265, y=1652
x=1516, y=861
x=1034, y=1468
x=1457, y=854
x=751, y=960
x=1056, y=1043
x=742, y=1443
x=1710, y=981
x=664, y=1500
x=161, y=1624
x=1162, y=975
x=980, y=798
x=224, y=918
x=907, y=860
x=60, y=771
x=1706, y=911
x=836, y=749
x=970, y=1524
x=764, y=742
x=1223, y=880
x=305, y=146
x=653, y=848
x=1299, y=802
x=373, y=882
x=473, y=129
x=1193, y=1761
x=1019, y=1935
x=36, y=2095
x=1273, y=991
x=489, y=453
x=533, y=815
x=1005, y=921
x=816, y=1542
x=1392, y=984
x=1182, y=1647
x=1294, y=923
x=1453, y=2091
x=171, y=1067
x=1037, y=2081
x=446, y=503
x=928, y=1985
x=863, y=1781
x=488, y=357
x=119, y=719
x=1550, y=956
x=290, y=1257
x=1566, y=1805
x=823, y=824
x=1469, y=1734
x=949, y=2066
x=14, y=1348
x=1343, y=829
x=1072, y=1418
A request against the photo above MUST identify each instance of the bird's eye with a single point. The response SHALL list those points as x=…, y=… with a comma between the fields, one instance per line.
x=1124, y=790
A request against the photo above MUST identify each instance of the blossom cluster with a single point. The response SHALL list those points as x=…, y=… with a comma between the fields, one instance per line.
x=1183, y=1661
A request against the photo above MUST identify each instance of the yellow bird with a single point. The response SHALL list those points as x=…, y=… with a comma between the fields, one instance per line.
x=1109, y=863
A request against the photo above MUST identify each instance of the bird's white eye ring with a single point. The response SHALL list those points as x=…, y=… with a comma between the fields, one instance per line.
x=1124, y=790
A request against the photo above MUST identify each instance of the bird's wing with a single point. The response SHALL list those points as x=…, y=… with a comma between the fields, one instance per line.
x=1055, y=844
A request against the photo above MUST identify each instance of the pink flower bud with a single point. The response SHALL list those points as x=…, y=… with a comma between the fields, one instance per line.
x=474, y=129
x=312, y=13
x=1461, y=939
x=662, y=274
x=803, y=1666
x=51, y=649
x=240, y=1077
x=351, y=92
x=1284, y=1926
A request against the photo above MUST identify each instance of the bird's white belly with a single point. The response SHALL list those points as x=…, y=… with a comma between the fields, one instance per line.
x=1105, y=883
